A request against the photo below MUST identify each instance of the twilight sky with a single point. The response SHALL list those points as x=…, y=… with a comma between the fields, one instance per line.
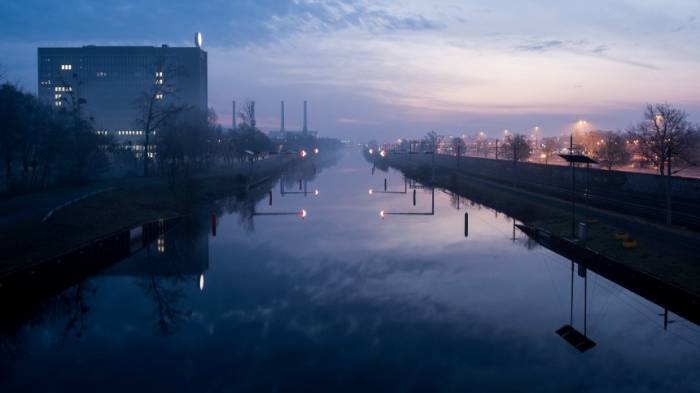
x=381, y=69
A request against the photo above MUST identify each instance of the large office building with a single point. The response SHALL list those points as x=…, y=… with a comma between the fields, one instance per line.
x=113, y=80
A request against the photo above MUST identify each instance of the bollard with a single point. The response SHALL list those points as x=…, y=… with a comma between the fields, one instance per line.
x=414, y=197
x=582, y=231
x=385, y=184
x=466, y=224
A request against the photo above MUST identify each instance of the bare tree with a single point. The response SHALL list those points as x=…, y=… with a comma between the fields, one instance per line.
x=661, y=139
x=611, y=149
x=430, y=141
x=157, y=104
x=549, y=147
x=458, y=146
x=247, y=114
x=516, y=148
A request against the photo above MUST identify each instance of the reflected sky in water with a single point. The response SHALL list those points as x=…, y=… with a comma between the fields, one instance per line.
x=345, y=301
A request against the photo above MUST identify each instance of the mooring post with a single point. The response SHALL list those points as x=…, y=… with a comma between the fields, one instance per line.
x=466, y=224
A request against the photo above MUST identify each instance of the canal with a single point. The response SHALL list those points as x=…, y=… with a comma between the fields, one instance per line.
x=307, y=288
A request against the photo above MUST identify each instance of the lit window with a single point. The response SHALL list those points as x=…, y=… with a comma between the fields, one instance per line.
x=159, y=96
x=66, y=67
x=101, y=74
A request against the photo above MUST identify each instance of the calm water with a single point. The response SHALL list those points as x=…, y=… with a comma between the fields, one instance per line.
x=345, y=301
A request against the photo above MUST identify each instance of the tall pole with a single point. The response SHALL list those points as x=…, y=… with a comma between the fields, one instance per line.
x=233, y=120
x=282, y=117
x=571, y=306
x=573, y=189
x=585, y=304
x=306, y=129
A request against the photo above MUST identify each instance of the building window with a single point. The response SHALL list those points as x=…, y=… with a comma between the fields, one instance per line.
x=159, y=96
x=101, y=74
x=66, y=67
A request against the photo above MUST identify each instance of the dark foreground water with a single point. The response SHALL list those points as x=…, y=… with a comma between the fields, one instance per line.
x=345, y=301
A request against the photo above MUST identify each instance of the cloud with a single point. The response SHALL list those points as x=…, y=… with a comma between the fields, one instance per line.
x=581, y=47
x=224, y=23
x=541, y=46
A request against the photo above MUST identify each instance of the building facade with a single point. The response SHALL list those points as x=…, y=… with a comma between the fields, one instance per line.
x=113, y=81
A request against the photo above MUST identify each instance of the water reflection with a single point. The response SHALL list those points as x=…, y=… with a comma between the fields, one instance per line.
x=351, y=303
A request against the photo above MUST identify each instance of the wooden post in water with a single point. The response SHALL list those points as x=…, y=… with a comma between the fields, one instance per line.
x=466, y=224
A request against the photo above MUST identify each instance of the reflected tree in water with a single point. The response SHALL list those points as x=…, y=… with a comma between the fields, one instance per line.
x=74, y=306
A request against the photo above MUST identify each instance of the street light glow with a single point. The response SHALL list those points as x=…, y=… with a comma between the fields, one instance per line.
x=302, y=153
x=381, y=214
x=302, y=214
x=370, y=191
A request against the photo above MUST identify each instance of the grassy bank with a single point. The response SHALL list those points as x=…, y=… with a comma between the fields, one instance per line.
x=668, y=254
x=129, y=203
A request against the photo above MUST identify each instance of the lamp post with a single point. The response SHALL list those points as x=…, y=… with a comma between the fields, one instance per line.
x=574, y=159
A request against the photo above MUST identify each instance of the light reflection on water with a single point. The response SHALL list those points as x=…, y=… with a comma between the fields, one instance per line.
x=343, y=300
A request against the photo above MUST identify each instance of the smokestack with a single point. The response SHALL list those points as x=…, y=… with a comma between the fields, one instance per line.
x=252, y=114
x=282, y=118
x=305, y=124
x=233, y=121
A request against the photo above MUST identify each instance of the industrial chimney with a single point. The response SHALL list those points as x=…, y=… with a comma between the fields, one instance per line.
x=282, y=117
x=306, y=129
x=233, y=120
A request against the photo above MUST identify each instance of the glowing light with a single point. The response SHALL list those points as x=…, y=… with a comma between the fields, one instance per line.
x=302, y=153
x=543, y=155
x=382, y=153
x=316, y=192
x=371, y=151
x=316, y=150
x=371, y=191
x=201, y=282
x=198, y=39
x=302, y=214
x=382, y=214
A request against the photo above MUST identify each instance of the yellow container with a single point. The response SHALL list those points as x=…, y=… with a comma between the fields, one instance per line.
x=629, y=243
